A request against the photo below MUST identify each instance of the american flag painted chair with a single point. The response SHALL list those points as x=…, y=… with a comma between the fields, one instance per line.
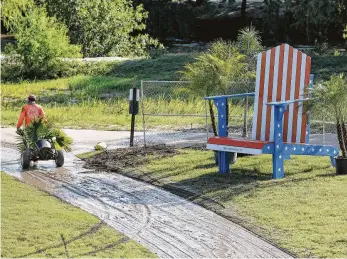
x=280, y=124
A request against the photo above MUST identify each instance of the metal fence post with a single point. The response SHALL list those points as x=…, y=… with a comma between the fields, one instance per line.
x=324, y=111
x=143, y=115
x=245, y=119
x=206, y=120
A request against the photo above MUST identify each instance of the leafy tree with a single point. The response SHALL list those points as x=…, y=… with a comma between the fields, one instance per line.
x=314, y=16
x=41, y=40
x=341, y=7
x=104, y=27
x=243, y=8
x=270, y=17
x=167, y=18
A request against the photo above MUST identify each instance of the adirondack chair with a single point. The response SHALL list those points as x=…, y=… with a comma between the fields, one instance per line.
x=280, y=123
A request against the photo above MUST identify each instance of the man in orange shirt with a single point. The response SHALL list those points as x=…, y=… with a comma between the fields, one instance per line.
x=30, y=112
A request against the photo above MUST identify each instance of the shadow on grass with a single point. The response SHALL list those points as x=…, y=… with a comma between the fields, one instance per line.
x=213, y=189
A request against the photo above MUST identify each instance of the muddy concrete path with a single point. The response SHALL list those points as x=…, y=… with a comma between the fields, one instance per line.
x=165, y=223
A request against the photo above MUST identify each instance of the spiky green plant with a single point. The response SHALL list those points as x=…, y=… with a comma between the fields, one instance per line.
x=216, y=71
x=249, y=41
x=333, y=96
x=40, y=129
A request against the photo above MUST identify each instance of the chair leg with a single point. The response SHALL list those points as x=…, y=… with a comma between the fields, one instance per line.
x=223, y=162
x=277, y=166
x=333, y=161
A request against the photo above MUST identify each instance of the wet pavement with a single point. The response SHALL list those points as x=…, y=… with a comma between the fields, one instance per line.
x=168, y=225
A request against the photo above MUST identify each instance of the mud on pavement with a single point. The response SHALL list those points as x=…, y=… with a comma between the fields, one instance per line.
x=168, y=225
x=125, y=161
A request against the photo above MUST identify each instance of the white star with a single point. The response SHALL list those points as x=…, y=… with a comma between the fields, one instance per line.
x=268, y=147
x=280, y=157
x=320, y=150
x=217, y=104
x=279, y=169
x=335, y=152
x=278, y=146
x=303, y=149
x=286, y=148
x=222, y=104
x=312, y=149
x=306, y=132
x=327, y=150
x=278, y=125
x=280, y=109
x=222, y=116
x=279, y=134
x=294, y=148
x=222, y=126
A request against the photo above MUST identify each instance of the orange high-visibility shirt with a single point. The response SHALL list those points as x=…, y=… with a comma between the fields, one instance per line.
x=30, y=112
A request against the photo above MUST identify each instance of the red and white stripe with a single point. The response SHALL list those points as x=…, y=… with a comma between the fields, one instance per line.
x=282, y=74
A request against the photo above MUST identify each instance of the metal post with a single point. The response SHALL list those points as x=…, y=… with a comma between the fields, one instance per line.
x=245, y=119
x=206, y=120
x=143, y=115
x=132, y=130
x=324, y=111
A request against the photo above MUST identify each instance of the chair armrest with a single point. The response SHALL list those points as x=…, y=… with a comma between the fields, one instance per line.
x=285, y=103
x=229, y=96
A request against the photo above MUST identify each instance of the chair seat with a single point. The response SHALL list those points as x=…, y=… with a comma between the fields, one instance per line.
x=245, y=143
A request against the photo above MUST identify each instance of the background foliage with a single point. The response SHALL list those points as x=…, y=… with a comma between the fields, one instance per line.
x=41, y=41
x=104, y=28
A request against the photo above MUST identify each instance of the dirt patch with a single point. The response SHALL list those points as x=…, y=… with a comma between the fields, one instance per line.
x=119, y=159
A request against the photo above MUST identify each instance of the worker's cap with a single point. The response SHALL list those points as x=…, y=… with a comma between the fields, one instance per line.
x=31, y=98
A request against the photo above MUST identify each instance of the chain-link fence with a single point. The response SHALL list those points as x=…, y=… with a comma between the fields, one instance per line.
x=172, y=116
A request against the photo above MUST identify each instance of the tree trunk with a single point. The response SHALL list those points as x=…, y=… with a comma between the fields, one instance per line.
x=200, y=2
x=308, y=30
x=340, y=137
x=213, y=121
x=243, y=8
x=344, y=134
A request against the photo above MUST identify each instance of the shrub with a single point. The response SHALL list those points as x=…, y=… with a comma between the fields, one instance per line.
x=41, y=42
x=214, y=71
x=104, y=28
x=333, y=96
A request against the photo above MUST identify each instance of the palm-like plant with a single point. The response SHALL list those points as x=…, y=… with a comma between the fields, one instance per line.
x=333, y=94
x=39, y=129
x=213, y=72
x=249, y=41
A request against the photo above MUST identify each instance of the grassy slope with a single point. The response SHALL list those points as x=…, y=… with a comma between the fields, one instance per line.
x=324, y=66
x=304, y=213
x=84, y=101
x=79, y=102
x=33, y=220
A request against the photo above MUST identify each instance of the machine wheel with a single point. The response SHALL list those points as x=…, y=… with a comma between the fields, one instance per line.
x=25, y=160
x=59, y=160
x=232, y=157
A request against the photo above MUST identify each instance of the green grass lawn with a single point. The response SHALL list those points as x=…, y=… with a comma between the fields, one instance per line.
x=33, y=224
x=78, y=102
x=306, y=212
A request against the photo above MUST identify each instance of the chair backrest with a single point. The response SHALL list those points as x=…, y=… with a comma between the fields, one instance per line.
x=282, y=74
